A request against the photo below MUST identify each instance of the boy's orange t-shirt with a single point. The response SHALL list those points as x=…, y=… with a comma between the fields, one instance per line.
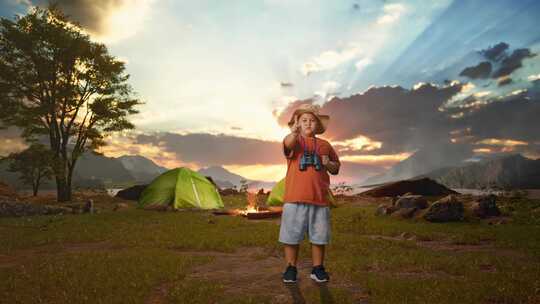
x=309, y=186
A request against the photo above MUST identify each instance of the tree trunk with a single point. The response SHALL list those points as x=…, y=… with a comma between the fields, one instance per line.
x=36, y=184
x=62, y=193
x=63, y=179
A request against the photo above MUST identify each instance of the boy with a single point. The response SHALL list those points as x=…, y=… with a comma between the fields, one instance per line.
x=305, y=208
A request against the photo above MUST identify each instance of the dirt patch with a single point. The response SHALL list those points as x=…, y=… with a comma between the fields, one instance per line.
x=481, y=246
x=257, y=271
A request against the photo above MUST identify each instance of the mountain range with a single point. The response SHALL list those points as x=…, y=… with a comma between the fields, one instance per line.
x=94, y=170
x=506, y=172
x=456, y=171
x=423, y=161
x=227, y=179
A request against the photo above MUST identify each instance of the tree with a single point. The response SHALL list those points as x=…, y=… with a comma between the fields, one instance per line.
x=34, y=165
x=56, y=83
x=243, y=185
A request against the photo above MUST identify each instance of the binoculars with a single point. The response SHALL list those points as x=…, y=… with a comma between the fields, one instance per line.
x=310, y=159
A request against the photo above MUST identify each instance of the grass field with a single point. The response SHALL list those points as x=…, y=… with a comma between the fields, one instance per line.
x=137, y=256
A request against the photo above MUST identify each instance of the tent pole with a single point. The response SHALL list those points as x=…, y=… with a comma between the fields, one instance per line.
x=195, y=190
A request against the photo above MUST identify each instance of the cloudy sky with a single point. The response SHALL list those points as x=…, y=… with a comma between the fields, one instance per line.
x=220, y=78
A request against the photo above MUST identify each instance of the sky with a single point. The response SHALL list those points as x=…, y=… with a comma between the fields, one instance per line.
x=220, y=79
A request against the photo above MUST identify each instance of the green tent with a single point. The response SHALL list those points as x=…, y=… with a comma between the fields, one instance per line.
x=276, y=195
x=181, y=188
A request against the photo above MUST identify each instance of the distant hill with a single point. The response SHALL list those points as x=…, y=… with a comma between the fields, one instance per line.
x=93, y=170
x=98, y=170
x=423, y=161
x=98, y=167
x=141, y=168
x=220, y=174
x=226, y=179
x=507, y=172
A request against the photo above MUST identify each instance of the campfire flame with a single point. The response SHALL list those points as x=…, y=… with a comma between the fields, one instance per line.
x=255, y=209
x=253, y=204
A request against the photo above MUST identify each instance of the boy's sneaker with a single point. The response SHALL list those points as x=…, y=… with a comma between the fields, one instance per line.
x=289, y=276
x=319, y=275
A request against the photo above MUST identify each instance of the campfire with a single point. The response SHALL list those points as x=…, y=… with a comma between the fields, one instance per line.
x=256, y=208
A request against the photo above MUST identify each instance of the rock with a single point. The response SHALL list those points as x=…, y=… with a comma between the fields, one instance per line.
x=446, y=209
x=131, y=193
x=17, y=209
x=485, y=206
x=404, y=212
x=412, y=201
x=88, y=207
x=120, y=206
x=384, y=210
x=75, y=208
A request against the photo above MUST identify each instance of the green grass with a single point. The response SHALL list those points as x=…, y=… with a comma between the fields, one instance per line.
x=147, y=251
x=120, y=276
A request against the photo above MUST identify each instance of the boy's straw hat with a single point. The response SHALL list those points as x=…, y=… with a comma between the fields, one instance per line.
x=313, y=109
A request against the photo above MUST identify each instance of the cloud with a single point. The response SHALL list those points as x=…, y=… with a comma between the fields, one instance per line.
x=400, y=119
x=513, y=62
x=505, y=80
x=392, y=12
x=108, y=20
x=520, y=122
x=328, y=90
x=393, y=120
x=361, y=64
x=506, y=64
x=351, y=172
x=207, y=149
x=533, y=77
x=495, y=53
x=329, y=60
x=482, y=70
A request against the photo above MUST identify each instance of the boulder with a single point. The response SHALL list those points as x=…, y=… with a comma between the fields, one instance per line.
x=412, y=201
x=404, y=212
x=446, y=209
x=131, y=193
x=79, y=208
x=485, y=206
x=385, y=210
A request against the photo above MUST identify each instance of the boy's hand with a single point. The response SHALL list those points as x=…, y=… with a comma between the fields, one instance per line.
x=295, y=128
x=325, y=160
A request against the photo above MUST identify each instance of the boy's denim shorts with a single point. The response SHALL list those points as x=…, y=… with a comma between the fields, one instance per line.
x=299, y=218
